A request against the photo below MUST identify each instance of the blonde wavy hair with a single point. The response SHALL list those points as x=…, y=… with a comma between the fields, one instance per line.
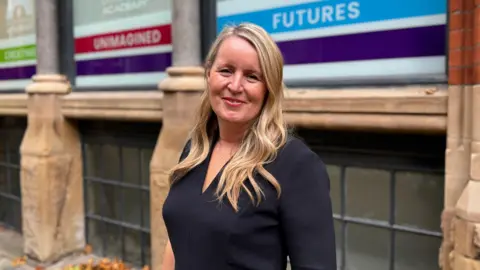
x=262, y=140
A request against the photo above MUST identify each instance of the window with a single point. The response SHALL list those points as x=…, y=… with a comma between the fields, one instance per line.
x=17, y=43
x=350, y=40
x=387, y=192
x=11, y=135
x=117, y=188
x=121, y=43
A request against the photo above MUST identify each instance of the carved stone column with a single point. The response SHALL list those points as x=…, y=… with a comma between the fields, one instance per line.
x=51, y=169
x=461, y=216
x=51, y=175
x=182, y=90
x=466, y=225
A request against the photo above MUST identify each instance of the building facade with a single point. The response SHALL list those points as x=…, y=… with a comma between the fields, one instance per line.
x=97, y=99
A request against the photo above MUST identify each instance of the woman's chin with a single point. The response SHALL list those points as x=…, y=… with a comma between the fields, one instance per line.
x=232, y=118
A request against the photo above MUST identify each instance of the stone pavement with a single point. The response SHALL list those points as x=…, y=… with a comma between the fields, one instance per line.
x=11, y=247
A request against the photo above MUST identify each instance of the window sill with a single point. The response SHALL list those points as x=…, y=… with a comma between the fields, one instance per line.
x=13, y=104
x=126, y=106
x=409, y=109
x=398, y=100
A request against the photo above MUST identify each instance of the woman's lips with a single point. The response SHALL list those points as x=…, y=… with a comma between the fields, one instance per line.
x=233, y=102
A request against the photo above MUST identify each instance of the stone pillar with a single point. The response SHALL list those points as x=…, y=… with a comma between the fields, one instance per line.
x=46, y=20
x=182, y=90
x=51, y=169
x=461, y=216
x=186, y=38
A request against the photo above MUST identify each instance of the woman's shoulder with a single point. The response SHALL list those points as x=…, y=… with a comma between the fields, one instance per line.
x=298, y=165
x=295, y=151
x=294, y=148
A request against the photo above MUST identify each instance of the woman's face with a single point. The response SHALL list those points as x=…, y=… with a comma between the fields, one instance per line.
x=235, y=82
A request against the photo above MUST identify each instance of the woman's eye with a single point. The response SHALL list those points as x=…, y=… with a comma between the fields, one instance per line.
x=225, y=71
x=252, y=77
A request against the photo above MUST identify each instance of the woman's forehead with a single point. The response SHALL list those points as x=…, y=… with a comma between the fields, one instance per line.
x=238, y=50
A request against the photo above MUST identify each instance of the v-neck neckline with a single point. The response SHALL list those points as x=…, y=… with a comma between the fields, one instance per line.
x=207, y=164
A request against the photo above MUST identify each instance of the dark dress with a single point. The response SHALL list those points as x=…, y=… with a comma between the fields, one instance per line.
x=209, y=235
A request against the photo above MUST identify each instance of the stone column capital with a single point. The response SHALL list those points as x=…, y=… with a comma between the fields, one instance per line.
x=183, y=79
x=49, y=84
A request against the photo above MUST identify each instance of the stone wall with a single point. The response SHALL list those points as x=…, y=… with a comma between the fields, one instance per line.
x=461, y=215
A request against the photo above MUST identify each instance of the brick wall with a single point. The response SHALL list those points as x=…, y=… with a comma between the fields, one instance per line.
x=462, y=38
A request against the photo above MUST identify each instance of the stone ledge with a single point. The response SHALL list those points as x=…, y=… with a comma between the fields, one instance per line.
x=13, y=104
x=427, y=124
x=130, y=106
x=380, y=109
x=400, y=100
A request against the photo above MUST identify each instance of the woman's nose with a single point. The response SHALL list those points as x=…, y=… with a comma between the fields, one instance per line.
x=235, y=84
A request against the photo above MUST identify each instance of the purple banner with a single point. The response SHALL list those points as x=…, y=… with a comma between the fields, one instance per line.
x=411, y=42
x=128, y=64
x=17, y=73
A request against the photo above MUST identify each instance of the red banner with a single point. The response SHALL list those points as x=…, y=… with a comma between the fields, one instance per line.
x=134, y=38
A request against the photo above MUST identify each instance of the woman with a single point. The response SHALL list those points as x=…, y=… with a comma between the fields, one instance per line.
x=245, y=194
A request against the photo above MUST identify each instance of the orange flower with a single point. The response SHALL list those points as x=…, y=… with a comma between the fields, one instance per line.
x=19, y=261
x=88, y=249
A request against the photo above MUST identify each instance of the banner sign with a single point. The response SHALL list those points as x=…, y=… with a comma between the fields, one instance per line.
x=137, y=38
x=117, y=42
x=21, y=53
x=122, y=42
x=331, y=40
x=99, y=11
x=17, y=43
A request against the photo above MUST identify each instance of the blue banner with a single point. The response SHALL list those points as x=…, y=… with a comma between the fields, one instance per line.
x=330, y=13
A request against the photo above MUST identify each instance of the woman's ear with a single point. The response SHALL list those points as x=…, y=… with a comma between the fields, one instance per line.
x=208, y=68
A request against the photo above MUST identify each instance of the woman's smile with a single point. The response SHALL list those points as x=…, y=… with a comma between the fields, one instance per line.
x=233, y=102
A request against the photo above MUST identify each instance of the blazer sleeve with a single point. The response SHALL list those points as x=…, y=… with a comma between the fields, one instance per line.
x=306, y=214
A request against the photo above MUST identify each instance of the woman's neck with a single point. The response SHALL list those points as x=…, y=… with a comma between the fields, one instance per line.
x=231, y=133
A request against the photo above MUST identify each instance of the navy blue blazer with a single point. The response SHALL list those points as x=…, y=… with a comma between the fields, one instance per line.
x=209, y=235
